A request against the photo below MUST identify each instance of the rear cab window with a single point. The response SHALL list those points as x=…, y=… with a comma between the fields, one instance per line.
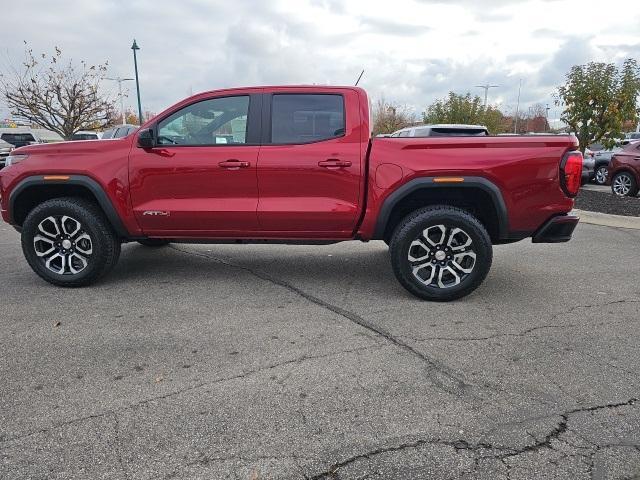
x=298, y=118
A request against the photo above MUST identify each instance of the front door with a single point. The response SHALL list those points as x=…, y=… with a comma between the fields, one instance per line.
x=310, y=165
x=200, y=178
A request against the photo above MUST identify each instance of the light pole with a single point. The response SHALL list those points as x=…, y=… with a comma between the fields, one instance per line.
x=547, y=126
x=515, y=128
x=486, y=91
x=135, y=47
x=120, y=80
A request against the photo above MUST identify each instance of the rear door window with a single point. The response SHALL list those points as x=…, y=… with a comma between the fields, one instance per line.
x=302, y=118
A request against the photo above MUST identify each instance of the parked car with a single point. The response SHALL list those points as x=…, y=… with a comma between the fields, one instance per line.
x=19, y=139
x=119, y=131
x=632, y=136
x=5, y=150
x=297, y=165
x=85, y=135
x=588, y=166
x=602, y=158
x=624, y=171
x=442, y=130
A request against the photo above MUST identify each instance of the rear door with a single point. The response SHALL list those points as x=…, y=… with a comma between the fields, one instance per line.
x=310, y=164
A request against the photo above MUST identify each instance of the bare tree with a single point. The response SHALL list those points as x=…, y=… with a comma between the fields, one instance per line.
x=389, y=117
x=57, y=95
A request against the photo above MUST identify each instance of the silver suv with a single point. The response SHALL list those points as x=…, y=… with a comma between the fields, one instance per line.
x=119, y=131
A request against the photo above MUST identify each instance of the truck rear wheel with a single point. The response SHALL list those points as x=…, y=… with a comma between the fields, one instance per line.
x=68, y=242
x=440, y=253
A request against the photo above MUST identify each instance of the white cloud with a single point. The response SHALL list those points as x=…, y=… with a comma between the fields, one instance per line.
x=413, y=51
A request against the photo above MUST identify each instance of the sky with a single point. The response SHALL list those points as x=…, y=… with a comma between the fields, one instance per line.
x=413, y=51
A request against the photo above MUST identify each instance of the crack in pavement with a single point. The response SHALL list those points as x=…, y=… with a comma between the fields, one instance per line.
x=440, y=375
x=528, y=330
x=190, y=388
x=503, y=453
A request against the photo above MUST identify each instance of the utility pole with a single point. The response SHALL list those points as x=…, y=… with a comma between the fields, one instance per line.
x=486, y=91
x=515, y=128
x=547, y=126
x=120, y=80
x=135, y=47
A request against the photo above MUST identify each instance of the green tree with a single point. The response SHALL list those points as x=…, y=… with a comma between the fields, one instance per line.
x=598, y=99
x=466, y=109
x=60, y=96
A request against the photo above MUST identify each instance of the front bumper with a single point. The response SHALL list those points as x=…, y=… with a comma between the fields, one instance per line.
x=556, y=230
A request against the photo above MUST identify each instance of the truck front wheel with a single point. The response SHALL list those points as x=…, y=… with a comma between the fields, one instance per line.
x=69, y=242
x=440, y=253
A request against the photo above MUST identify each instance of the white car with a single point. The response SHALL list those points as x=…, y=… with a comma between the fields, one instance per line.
x=5, y=149
x=442, y=130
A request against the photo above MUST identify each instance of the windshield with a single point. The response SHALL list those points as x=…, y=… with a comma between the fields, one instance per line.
x=17, y=137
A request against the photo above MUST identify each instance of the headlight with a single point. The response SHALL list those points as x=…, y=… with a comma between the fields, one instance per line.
x=13, y=159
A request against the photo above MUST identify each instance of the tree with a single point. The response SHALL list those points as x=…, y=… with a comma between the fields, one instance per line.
x=598, y=99
x=389, y=117
x=456, y=108
x=56, y=95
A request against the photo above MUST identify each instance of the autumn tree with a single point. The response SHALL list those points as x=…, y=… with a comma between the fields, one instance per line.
x=56, y=94
x=598, y=98
x=389, y=117
x=465, y=109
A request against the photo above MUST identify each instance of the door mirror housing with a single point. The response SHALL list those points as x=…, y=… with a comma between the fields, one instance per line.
x=145, y=138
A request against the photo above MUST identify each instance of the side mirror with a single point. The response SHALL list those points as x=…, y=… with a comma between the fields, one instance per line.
x=145, y=138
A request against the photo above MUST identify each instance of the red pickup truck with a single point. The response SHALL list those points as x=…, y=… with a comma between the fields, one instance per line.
x=290, y=165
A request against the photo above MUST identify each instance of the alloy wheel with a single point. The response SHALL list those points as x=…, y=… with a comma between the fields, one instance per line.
x=442, y=256
x=601, y=175
x=622, y=184
x=63, y=245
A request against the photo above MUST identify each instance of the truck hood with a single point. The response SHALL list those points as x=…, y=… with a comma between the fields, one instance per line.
x=78, y=146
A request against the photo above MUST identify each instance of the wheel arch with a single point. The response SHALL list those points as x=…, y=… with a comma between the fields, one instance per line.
x=34, y=190
x=477, y=195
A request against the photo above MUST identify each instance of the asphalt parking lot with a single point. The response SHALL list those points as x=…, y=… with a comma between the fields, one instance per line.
x=257, y=362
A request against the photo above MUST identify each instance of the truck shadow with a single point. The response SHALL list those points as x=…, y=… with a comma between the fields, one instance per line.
x=351, y=272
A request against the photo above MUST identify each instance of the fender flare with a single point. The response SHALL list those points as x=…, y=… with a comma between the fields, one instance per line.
x=427, y=182
x=80, y=180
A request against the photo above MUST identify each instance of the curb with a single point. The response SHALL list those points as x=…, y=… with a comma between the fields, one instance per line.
x=607, y=220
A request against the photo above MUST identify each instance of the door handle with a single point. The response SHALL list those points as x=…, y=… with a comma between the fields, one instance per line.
x=334, y=163
x=233, y=164
x=636, y=158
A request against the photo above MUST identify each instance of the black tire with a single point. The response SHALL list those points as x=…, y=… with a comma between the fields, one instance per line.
x=154, y=242
x=103, y=242
x=600, y=177
x=626, y=178
x=411, y=229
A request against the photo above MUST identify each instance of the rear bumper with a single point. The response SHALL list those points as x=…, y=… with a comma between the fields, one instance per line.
x=556, y=230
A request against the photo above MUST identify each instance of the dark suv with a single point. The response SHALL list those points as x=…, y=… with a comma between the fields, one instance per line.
x=624, y=171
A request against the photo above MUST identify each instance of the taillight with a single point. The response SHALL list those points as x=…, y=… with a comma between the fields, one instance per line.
x=571, y=173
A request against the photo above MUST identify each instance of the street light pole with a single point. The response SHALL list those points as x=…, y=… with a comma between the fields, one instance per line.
x=135, y=47
x=547, y=126
x=515, y=128
x=120, y=80
x=486, y=91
